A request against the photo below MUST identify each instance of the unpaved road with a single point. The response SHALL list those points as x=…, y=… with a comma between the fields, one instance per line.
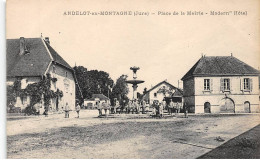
x=91, y=137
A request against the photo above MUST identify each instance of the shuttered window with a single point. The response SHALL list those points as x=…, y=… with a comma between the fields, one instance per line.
x=225, y=84
x=246, y=84
x=207, y=84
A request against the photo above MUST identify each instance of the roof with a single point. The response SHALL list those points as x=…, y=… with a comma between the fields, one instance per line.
x=34, y=63
x=56, y=57
x=177, y=93
x=163, y=82
x=100, y=96
x=218, y=66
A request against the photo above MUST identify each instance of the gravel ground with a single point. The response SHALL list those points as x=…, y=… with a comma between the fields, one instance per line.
x=122, y=137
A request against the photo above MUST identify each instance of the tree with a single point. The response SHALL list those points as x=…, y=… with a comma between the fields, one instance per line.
x=92, y=82
x=164, y=91
x=120, y=90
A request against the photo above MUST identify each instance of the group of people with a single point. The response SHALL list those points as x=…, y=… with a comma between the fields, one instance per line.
x=103, y=106
x=135, y=106
x=67, y=110
x=171, y=107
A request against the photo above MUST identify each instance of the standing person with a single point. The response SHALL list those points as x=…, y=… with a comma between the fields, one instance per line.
x=164, y=104
x=105, y=107
x=129, y=106
x=144, y=106
x=177, y=108
x=137, y=107
x=161, y=110
x=67, y=110
x=77, y=109
x=185, y=108
x=171, y=106
x=99, y=107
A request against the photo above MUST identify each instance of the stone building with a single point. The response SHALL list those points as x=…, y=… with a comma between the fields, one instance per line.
x=221, y=84
x=31, y=59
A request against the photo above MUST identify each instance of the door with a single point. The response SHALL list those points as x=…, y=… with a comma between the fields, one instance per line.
x=207, y=107
x=247, y=107
x=227, y=106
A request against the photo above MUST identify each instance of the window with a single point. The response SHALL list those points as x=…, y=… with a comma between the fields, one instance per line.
x=226, y=85
x=206, y=84
x=66, y=73
x=155, y=94
x=246, y=84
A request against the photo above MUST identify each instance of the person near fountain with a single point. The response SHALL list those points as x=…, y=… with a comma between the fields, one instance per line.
x=171, y=106
x=143, y=106
x=164, y=104
x=136, y=106
x=161, y=110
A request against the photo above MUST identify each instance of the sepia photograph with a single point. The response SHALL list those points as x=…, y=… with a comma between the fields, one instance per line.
x=139, y=79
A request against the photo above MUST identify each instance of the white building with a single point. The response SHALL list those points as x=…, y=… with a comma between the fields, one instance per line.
x=163, y=90
x=221, y=84
x=31, y=59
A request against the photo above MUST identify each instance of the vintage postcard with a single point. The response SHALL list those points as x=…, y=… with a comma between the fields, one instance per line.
x=139, y=79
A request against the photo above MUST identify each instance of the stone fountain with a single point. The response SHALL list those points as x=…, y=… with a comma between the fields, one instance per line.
x=134, y=82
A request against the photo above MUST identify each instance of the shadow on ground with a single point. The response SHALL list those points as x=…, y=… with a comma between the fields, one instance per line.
x=244, y=146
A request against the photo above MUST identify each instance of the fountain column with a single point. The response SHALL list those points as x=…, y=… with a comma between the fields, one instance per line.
x=134, y=82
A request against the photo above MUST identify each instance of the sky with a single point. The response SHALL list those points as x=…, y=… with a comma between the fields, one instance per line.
x=164, y=47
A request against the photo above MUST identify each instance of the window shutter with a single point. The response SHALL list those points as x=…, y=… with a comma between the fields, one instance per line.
x=250, y=84
x=221, y=84
x=230, y=84
x=211, y=85
x=241, y=84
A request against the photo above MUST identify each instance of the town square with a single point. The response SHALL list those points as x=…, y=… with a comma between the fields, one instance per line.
x=122, y=86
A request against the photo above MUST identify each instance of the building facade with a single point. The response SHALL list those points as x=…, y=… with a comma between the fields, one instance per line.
x=163, y=90
x=221, y=84
x=29, y=61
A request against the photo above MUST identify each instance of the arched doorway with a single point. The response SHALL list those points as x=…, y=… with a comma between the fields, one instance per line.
x=227, y=105
x=207, y=107
x=247, y=107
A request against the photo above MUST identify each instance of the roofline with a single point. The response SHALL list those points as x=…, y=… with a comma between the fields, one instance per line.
x=160, y=84
x=218, y=75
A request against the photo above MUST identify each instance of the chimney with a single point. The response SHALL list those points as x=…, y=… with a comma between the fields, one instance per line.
x=22, y=46
x=47, y=40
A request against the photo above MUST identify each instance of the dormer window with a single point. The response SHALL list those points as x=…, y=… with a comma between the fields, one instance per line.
x=66, y=74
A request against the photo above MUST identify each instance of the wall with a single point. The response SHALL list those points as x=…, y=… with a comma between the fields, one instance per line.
x=215, y=96
x=64, y=83
x=160, y=96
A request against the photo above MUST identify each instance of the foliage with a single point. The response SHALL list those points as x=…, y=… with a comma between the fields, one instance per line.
x=165, y=91
x=29, y=110
x=92, y=82
x=35, y=91
x=120, y=90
